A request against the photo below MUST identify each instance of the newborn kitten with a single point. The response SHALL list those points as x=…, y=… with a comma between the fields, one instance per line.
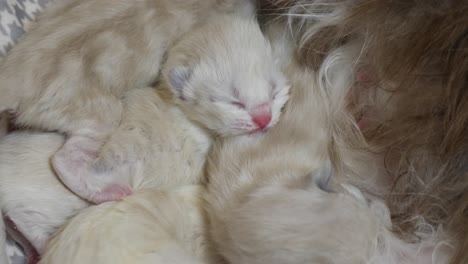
x=224, y=78
x=153, y=227
x=30, y=193
x=155, y=145
x=69, y=72
x=167, y=148
x=269, y=202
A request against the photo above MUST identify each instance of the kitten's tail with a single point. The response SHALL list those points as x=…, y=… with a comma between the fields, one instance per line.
x=3, y=253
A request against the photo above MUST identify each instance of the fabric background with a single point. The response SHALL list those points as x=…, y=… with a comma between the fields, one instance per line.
x=15, y=17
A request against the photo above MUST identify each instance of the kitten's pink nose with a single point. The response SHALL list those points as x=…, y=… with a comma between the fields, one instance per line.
x=261, y=115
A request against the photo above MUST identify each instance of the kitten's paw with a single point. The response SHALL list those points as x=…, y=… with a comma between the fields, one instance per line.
x=112, y=193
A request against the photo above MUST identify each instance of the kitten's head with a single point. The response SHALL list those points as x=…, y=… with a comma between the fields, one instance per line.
x=229, y=83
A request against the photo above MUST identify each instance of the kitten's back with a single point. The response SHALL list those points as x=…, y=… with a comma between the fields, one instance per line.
x=149, y=227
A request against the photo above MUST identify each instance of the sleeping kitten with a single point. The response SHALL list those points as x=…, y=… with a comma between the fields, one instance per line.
x=243, y=170
x=224, y=78
x=155, y=146
x=30, y=193
x=168, y=151
x=70, y=71
x=268, y=196
x=151, y=227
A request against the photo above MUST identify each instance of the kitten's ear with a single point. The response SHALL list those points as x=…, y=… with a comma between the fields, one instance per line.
x=322, y=177
x=178, y=78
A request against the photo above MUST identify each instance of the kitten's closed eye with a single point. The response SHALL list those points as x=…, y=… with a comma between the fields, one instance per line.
x=238, y=104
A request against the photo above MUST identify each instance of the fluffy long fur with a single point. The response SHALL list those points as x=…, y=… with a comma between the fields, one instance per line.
x=415, y=98
x=264, y=202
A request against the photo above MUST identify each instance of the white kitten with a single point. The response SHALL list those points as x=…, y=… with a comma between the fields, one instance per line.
x=155, y=145
x=267, y=195
x=30, y=193
x=70, y=71
x=148, y=227
x=225, y=79
x=165, y=149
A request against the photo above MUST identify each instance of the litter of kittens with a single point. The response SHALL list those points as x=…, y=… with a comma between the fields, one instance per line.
x=251, y=131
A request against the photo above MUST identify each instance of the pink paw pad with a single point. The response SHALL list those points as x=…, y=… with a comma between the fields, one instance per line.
x=112, y=193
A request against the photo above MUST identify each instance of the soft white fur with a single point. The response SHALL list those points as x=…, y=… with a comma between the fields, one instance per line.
x=70, y=71
x=211, y=54
x=225, y=60
x=223, y=73
x=163, y=148
x=156, y=146
x=30, y=193
x=148, y=227
x=267, y=201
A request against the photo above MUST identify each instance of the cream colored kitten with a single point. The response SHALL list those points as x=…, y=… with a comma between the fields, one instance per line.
x=148, y=227
x=167, y=150
x=225, y=79
x=30, y=193
x=70, y=71
x=268, y=200
x=156, y=146
x=242, y=169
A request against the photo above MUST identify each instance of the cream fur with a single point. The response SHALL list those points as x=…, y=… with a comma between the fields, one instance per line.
x=69, y=76
x=214, y=67
x=163, y=147
x=156, y=146
x=263, y=199
x=219, y=69
x=228, y=73
x=30, y=193
x=148, y=227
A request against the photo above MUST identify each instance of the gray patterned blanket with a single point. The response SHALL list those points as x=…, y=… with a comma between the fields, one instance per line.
x=15, y=17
